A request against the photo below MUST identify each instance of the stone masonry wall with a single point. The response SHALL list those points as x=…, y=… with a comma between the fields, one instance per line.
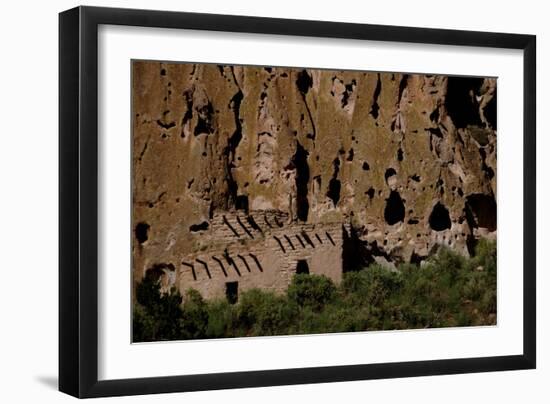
x=259, y=255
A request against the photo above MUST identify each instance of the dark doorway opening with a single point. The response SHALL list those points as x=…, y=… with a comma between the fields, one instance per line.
x=302, y=267
x=232, y=292
x=242, y=203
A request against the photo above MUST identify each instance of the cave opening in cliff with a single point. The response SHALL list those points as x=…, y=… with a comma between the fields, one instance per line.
x=204, y=122
x=400, y=154
x=142, y=232
x=394, y=212
x=481, y=211
x=375, y=107
x=460, y=101
x=199, y=227
x=370, y=192
x=302, y=180
x=304, y=81
x=390, y=172
x=354, y=252
x=302, y=267
x=333, y=193
x=334, y=185
x=232, y=292
x=157, y=271
x=439, y=218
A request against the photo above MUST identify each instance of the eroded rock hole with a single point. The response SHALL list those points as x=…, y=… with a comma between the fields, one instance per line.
x=333, y=193
x=204, y=122
x=390, y=172
x=375, y=107
x=434, y=116
x=366, y=166
x=199, y=227
x=302, y=179
x=349, y=88
x=481, y=211
x=460, y=100
x=435, y=132
x=304, y=81
x=394, y=212
x=334, y=185
x=439, y=218
x=141, y=231
x=350, y=155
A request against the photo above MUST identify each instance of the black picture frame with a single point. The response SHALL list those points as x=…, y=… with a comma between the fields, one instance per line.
x=78, y=201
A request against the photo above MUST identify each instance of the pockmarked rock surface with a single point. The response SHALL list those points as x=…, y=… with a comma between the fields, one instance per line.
x=244, y=175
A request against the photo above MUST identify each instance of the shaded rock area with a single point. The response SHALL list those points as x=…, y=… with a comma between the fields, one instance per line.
x=399, y=164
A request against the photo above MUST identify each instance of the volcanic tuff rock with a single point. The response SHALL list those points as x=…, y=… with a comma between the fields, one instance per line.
x=407, y=162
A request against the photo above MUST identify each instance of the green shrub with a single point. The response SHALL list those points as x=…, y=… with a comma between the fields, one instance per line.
x=156, y=315
x=265, y=313
x=447, y=290
x=372, y=285
x=194, y=316
x=220, y=319
x=313, y=291
x=143, y=325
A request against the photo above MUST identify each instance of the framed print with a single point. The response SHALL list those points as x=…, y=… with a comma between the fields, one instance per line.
x=251, y=201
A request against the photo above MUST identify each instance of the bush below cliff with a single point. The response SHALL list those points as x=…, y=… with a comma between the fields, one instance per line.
x=448, y=290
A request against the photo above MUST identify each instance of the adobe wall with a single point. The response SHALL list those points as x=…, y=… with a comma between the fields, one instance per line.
x=259, y=255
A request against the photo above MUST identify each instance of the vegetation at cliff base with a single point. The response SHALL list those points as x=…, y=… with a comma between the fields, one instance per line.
x=447, y=290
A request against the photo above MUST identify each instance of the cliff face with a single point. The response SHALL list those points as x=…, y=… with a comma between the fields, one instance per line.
x=406, y=162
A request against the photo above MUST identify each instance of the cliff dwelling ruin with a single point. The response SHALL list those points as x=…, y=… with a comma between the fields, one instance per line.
x=245, y=175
